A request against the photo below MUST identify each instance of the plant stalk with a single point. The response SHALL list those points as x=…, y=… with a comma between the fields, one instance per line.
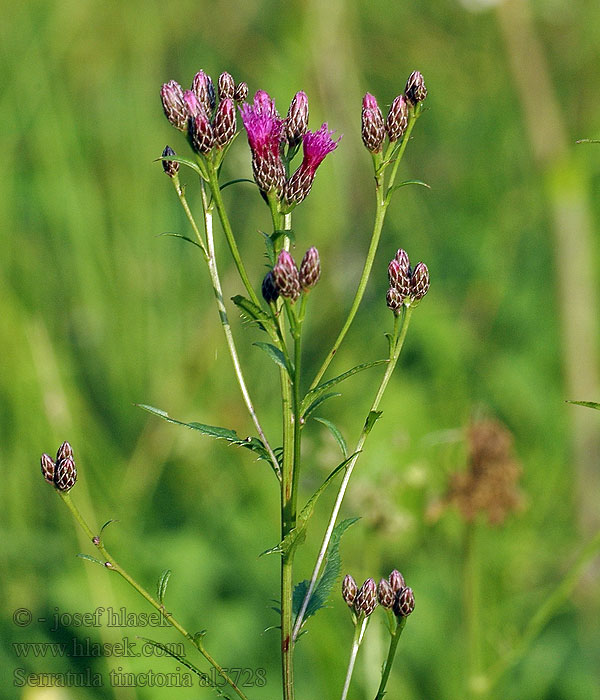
x=359, y=633
x=395, y=638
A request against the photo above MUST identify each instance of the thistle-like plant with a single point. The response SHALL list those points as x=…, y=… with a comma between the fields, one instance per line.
x=285, y=156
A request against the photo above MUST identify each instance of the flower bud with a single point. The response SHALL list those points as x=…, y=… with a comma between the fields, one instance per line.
x=349, y=590
x=385, y=594
x=201, y=133
x=192, y=104
x=65, y=474
x=171, y=167
x=404, y=603
x=286, y=276
x=226, y=86
x=48, y=468
x=394, y=299
x=241, y=92
x=396, y=581
x=203, y=88
x=366, y=598
x=403, y=260
x=64, y=451
x=296, y=123
x=415, y=90
x=269, y=290
x=399, y=278
x=310, y=268
x=174, y=107
x=224, y=122
x=397, y=119
x=373, y=127
x=419, y=282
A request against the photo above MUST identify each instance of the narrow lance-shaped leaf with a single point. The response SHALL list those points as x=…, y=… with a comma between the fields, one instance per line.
x=296, y=536
x=335, y=431
x=587, y=404
x=330, y=383
x=88, y=557
x=161, y=585
x=317, y=402
x=250, y=443
x=331, y=573
x=372, y=418
x=250, y=311
x=276, y=355
x=183, y=238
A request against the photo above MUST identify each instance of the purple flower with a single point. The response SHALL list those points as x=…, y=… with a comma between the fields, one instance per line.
x=265, y=131
x=316, y=146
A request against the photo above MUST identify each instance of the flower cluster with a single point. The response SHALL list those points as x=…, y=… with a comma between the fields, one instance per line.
x=196, y=112
x=61, y=473
x=391, y=593
x=268, y=135
x=407, y=286
x=375, y=128
x=286, y=280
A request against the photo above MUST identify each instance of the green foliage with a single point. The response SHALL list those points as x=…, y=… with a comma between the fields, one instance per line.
x=161, y=585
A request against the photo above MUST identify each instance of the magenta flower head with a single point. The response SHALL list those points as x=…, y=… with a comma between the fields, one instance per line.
x=265, y=131
x=316, y=146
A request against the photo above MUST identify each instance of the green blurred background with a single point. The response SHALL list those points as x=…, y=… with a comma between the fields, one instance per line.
x=97, y=313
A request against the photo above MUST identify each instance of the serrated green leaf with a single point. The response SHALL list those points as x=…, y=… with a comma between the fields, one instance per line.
x=250, y=443
x=88, y=557
x=335, y=431
x=330, y=383
x=184, y=238
x=296, y=536
x=207, y=680
x=317, y=402
x=372, y=418
x=587, y=404
x=234, y=182
x=161, y=585
x=276, y=355
x=331, y=573
x=250, y=311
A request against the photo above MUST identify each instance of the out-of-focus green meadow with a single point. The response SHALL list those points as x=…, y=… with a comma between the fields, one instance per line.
x=97, y=312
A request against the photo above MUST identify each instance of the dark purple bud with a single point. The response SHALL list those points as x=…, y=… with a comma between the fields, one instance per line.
x=373, y=127
x=404, y=603
x=419, y=282
x=241, y=92
x=171, y=167
x=64, y=451
x=397, y=119
x=203, y=88
x=349, y=590
x=226, y=87
x=399, y=278
x=224, y=122
x=171, y=95
x=366, y=598
x=201, y=133
x=286, y=276
x=296, y=123
x=396, y=581
x=310, y=268
x=48, y=468
x=269, y=290
x=385, y=594
x=65, y=474
x=415, y=90
x=394, y=299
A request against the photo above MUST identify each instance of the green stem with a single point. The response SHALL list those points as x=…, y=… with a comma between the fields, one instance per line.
x=211, y=261
x=111, y=564
x=381, y=207
x=405, y=139
x=359, y=633
x=401, y=324
x=395, y=638
x=213, y=183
